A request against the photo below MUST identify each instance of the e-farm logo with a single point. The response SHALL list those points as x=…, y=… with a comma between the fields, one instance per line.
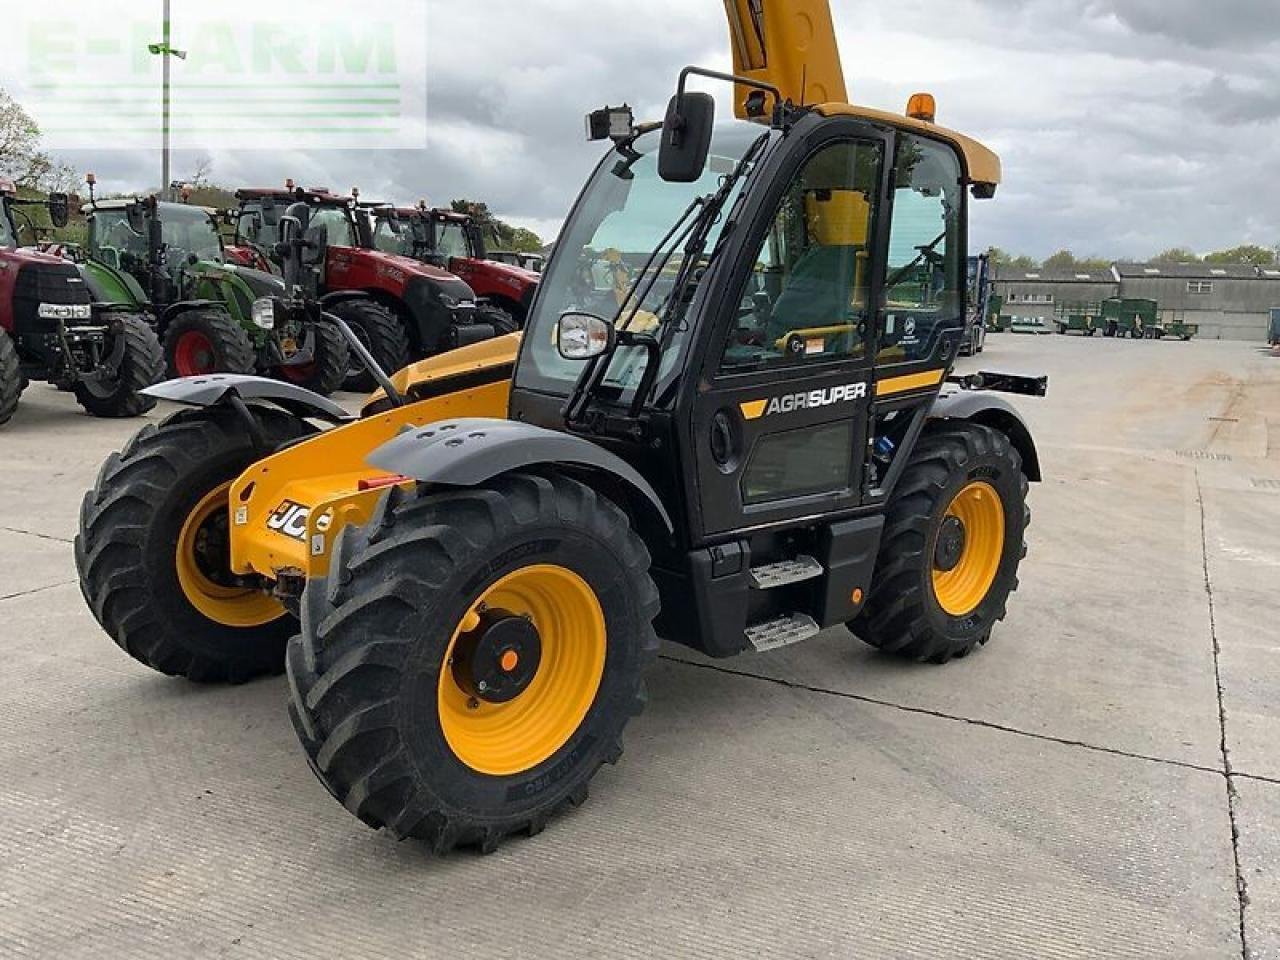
x=337, y=75
x=810, y=400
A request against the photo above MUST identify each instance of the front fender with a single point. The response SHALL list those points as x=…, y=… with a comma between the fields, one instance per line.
x=991, y=410
x=211, y=389
x=468, y=452
x=341, y=296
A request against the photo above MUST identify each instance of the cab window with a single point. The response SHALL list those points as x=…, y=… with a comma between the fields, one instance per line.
x=924, y=274
x=336, y=223
x=807, y=298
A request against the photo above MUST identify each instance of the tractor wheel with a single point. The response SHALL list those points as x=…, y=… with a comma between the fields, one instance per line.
x=141, y=365
x=953, y=539
x=382, y=334
x=11, y=381
x=203, y=341
x=473, y=657
x=152, y=550
x=503, y=321
x=326, y=373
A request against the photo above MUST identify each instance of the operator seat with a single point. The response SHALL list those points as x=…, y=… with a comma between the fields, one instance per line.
x=824, y=285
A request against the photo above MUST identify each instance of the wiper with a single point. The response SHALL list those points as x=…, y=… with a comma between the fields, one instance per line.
x=894, y=280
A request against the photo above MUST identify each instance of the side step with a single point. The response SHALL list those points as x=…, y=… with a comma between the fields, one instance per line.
x=785, y=630
x=780, y=574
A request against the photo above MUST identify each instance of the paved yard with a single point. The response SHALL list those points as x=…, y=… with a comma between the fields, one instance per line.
x=1103, y=780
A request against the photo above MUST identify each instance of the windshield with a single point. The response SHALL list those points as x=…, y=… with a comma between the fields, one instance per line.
x=388, y=241
x=259, y=224
x=189, y=231
x=622, y=217
x=451, y=239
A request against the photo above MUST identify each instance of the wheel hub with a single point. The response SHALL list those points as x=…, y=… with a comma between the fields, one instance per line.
x=950, y=546
x=497, y=660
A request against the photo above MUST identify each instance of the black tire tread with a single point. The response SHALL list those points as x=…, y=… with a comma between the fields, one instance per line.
x=231, y=341
x=142, y=365
x=388, y=338
x=894, y=619
x=110, y=544
x=342, y=685
x=11, y=382
x=331, y=360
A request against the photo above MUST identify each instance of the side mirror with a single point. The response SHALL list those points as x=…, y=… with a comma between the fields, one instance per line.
x=686, y=137
x=59, y=210
x=393, y=221
x=134, y=216
x=300, y=212
x=477, y=241
x=582, y=336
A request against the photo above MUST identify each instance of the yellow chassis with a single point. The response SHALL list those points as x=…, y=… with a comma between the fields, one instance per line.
x=287, y=509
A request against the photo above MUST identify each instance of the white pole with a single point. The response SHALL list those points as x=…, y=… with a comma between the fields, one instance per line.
x=164, y=150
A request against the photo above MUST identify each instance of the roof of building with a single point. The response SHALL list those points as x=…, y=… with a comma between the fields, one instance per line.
x=1197, y=271
x=1044, y=275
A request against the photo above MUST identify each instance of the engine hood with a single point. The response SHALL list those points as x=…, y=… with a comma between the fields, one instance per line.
x=262, y=284
x=509, y=271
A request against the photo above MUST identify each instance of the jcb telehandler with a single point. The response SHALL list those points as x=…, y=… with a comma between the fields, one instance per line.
x=760, y=442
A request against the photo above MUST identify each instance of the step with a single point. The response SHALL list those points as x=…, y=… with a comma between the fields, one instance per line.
x=780, y=574
x=785, y=630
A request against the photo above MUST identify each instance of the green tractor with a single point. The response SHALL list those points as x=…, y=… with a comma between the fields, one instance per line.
x=212, y=316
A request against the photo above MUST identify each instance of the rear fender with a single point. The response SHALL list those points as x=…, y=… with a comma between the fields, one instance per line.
x=991, y=410
x=469, y=452
x=342, y=296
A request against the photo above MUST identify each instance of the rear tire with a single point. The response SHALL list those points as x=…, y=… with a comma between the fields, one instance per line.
x=373, y=676
x=130, y=550
x=382, y=334
x=203, y=341
x=504, y=322
x=11, y=381
x=141, y=366
x=327, y=372
x=917, y=609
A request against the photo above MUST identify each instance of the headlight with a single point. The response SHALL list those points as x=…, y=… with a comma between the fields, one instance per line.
x=264, y=313
x=65, y=311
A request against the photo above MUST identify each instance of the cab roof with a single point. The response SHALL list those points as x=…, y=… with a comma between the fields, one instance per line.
x=981, y=163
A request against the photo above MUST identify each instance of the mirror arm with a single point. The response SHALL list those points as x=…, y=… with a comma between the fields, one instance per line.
x=717, y=75
x=653, y=359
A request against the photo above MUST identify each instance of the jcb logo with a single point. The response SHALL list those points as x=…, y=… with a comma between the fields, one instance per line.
x=290, y=520
x=812, y=400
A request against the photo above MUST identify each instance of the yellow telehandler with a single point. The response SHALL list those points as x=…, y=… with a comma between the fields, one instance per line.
x=731, y=420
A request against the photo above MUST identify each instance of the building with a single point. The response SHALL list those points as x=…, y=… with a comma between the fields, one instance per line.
x=1227, y=301
x=1039, y=293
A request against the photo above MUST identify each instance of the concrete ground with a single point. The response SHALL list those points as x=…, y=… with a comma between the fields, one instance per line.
x=1103, y=780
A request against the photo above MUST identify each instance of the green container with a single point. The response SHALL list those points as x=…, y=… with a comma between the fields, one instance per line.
x=1129, y=317
x=1082, y=318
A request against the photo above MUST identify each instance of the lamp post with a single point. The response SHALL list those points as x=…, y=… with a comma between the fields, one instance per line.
x=165, y=49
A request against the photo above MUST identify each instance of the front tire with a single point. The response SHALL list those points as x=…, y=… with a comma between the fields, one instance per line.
x=11, y=382
x=953, y=540
x=382, y=334
x=387, y=679
x=204, y=341
x=141, y=365
x=328, y=370
x=152, y=549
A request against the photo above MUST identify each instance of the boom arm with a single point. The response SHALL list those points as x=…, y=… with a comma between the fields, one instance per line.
x=790, y=44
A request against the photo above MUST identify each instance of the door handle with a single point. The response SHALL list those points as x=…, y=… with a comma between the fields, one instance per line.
x=724, y=442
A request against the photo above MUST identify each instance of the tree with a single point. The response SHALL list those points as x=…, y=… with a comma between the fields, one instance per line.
x=506, y=236
x=1176, y=255
x=1001, y=258
x=1247, y=253
x=1062, y=260
x=21, y=158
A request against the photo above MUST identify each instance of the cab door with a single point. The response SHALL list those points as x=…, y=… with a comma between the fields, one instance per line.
x=780, y=420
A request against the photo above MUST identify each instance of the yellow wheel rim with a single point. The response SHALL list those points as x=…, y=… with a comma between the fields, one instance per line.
x=964, y=586
x=230, y=606
x=508, y=738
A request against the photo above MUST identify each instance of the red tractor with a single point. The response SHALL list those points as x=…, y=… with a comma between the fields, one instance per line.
x=455, y=242
x=434, y=310
x=52, y=330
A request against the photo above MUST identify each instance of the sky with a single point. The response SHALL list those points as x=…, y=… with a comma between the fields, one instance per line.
x=1125, y=126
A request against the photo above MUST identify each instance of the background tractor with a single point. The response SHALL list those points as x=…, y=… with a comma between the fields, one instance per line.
x=434, y=310
x=759, y=438
x=167, y=258
x=52, y=330
x=455, y=242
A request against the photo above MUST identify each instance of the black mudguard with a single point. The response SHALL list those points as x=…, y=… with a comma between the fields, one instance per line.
x=992, y=410
x=341, y=296
x=205, y=391
x=468, y=452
